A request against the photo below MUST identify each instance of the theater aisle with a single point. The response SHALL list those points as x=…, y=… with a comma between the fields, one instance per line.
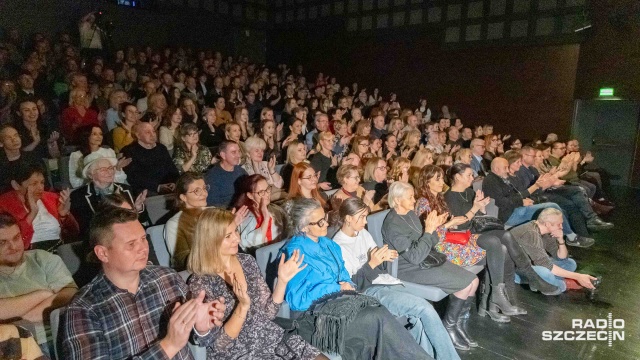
x=616, y=257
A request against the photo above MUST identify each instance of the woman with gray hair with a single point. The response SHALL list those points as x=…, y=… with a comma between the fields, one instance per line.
x=100, y=171
x=404, y=232
x=254, y=164
x=353, y=325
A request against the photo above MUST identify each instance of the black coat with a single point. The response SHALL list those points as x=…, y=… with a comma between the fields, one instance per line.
x=506, y=196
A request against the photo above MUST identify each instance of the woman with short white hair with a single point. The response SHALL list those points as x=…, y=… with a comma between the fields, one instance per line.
x=403, y=231
x=254, y=164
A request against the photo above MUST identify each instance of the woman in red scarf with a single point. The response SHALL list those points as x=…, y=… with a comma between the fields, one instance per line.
x=265, y=221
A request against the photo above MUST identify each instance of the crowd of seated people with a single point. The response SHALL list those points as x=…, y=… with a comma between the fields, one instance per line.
x=254, y=156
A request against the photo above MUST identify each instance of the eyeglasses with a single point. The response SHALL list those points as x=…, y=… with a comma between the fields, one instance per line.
x=354, y=177
x=200, y=191
x=314, y=176
x=193, y=133
x=320, y=223
x=263, y=192
x=364, y=144
x=106, y=169
x=381, y=168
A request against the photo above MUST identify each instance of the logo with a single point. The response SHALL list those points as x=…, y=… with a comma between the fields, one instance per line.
x=608, y=330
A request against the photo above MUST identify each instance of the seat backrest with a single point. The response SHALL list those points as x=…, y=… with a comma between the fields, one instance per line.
x=159, y=208
x=477, y=184
x=374, y=225
x=492, y=208
x=279, y=168
x=65, y=182
x=267, y=259
x=72, y=255
x=184, y=274
x=54, y=318
x=330, y=193
x=156, y=235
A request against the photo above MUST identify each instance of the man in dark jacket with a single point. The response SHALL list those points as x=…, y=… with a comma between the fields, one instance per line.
x=514, y=205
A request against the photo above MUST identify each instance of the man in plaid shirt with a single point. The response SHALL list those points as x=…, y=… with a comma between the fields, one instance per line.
x=131, y=310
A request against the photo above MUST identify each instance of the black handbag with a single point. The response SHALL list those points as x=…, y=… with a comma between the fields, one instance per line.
x=480, y=224
x=433, y=259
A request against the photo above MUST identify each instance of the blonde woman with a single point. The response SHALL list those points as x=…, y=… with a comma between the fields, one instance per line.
x=395, y=127
x=464, y=156
x=411, y=142
x=296, y=153
x=248, y=329
x=241, y=116
x=254, y=164
x=399, y=169
x=422, y=158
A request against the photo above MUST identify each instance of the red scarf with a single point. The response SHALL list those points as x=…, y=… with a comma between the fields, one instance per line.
x=269, y=234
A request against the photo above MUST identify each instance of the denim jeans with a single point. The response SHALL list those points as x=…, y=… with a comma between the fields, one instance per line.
x=526, y=213
x=427, y=330
x=568, y=264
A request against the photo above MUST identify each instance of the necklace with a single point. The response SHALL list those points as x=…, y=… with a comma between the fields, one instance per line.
x=463, y=197
x=413, y=225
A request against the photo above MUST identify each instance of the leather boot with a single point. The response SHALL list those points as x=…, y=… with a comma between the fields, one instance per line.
x=463, y=318
x=600, y=209
x=500, y=300
x=484, y=309
x=513, y=298
x=450, y=322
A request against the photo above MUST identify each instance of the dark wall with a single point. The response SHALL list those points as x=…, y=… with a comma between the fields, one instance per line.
x=166, y=26
x=526, y=91
x=610, y=57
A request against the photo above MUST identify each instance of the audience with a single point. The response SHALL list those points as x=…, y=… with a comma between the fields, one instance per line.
x=151, y=167
x=127, y=295
x=12, y=156
x=189, y=154
x=218, y=270
x=403, y=231
x=265, y=222
x=222, y=177
x=44, y=217
x=33, y=282
x=360, y=333
x=542, y=240
x=357, y=142
x=364, y=262
x=90, y=141
x=100, y=170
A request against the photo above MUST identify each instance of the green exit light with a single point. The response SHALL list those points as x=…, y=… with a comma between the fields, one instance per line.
x=606, y=92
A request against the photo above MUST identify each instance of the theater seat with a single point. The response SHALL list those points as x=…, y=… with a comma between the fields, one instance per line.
x=54, y=318
x=159, y=208
x=156, y=235
x=267, y=259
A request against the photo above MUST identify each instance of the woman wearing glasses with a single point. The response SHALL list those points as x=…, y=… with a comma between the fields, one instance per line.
x=90, y=138
x=191, y=195
x=254, y=164
x=100, y=171
x=360, y=145
x=375, y=178
x=357, y=326
x=190, y=155
x=265, y=221
x=123, y=133
x=304, y=183
x=349, y=177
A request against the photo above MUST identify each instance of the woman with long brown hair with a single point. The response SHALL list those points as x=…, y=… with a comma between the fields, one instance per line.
x=304, y=183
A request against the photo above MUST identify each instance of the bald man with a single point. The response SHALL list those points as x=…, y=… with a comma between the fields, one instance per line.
x=151, y=166
x=514, y=208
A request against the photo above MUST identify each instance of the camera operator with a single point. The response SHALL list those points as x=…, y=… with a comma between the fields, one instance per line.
x=91, y=35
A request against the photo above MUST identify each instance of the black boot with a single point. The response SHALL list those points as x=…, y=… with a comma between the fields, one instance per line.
x=486, y=309
x=450, y=322
x=523, y=264
x=500, y=300
x=463, y=319
x=510, y=288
